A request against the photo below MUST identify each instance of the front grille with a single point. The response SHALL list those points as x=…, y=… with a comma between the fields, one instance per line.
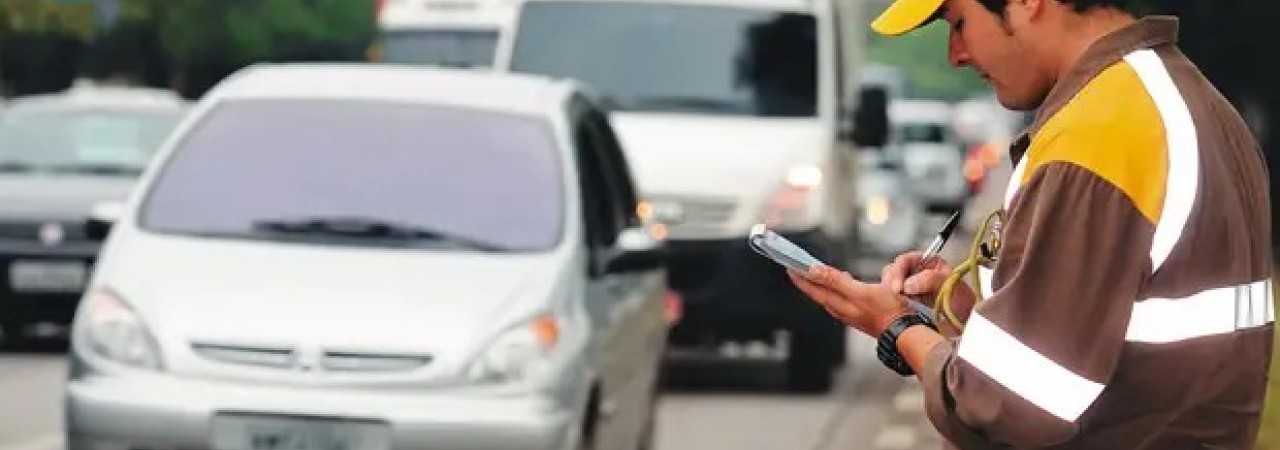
x=243, y=355
x=30, y=230
x=373, y=362
x=700, y=214
x=328, y=360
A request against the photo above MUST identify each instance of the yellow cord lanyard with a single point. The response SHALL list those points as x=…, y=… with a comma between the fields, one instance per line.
x=983, y=252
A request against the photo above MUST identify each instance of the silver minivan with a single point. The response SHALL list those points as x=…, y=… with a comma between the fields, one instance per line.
x=372, y=257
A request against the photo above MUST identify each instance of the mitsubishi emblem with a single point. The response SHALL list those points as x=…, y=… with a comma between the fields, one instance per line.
x=51, y=234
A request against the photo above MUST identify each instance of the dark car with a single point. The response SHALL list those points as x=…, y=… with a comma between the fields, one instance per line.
x=65, y=157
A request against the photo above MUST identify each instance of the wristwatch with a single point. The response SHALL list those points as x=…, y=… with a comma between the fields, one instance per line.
x=887, y=344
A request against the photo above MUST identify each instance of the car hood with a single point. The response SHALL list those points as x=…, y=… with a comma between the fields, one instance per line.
x=59, y=196
x=713, y=155
x=270, y=295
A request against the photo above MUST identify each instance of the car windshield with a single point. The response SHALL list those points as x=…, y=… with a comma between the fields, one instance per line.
x=363, y=173
x=676, y=58
x=102, y=141
x=460, y=48
x=930, y=133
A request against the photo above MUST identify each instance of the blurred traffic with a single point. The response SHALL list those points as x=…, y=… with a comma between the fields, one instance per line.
x=504, y=224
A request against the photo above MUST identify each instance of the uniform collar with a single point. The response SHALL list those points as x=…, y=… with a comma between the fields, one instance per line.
x=1147, y=32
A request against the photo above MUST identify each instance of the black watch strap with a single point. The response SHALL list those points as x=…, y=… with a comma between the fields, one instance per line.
x=887, y=344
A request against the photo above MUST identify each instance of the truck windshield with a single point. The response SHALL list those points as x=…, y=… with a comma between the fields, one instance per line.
x=440, y=47
x=662, y=57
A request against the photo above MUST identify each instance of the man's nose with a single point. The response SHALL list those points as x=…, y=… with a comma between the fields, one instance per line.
x=957, y=52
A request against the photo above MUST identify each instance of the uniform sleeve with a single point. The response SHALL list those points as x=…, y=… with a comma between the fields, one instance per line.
x=1037, y=354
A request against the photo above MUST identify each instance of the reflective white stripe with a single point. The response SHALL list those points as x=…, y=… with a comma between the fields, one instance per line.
x=1210, y=312
x=1182, y=179
x=1015, y=181
x=1024, y=371
x=985, y=275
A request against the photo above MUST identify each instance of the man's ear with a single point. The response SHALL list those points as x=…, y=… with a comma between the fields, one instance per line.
x=1026, y=10
x=1034, y=8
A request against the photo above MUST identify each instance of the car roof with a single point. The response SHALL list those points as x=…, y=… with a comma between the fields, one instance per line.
x=809, y=6
x=86, y=94
x=452, y=14
x=481, y=89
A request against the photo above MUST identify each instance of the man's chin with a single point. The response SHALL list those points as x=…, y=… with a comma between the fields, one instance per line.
x=1016, y=104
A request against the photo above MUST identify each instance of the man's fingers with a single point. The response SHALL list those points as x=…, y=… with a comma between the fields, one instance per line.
x=830, y=299
x=839, y=281
x=897, y=271
x=925, y=282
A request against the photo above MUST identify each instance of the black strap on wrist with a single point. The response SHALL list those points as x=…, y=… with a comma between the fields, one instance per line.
x=887, y=344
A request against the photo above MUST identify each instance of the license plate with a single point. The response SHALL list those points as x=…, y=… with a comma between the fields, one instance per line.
x=288, y=433
x=47, y=276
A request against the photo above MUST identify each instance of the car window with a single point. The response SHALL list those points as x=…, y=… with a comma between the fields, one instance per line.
x=485, y=176
x=617, y=172
x=922, y=133
x=598, y=210
x=445, y=47
x=72, y=139
x=647, y=56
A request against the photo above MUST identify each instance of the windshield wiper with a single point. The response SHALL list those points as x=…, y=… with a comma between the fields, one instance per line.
x=361, y=227
x=98, y=169
x=16, y=166
x=686, y=103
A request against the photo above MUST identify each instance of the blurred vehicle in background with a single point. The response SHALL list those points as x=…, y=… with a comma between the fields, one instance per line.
x=730, y=111
x=891, y=217
x=427, y=258
x=456, y=33
x=985, y=129
x=924, y=143
x=64, y=157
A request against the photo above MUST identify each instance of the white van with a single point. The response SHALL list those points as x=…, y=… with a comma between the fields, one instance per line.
x=458, y=33
x=729, y=111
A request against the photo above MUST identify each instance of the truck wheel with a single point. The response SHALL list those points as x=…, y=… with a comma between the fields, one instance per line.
x=809, y=364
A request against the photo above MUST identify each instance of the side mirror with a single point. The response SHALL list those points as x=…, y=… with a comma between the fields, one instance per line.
x=98, y=226
x=868, y=125
x=635, y=250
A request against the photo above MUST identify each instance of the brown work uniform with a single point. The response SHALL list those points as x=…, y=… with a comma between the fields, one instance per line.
x=1131, y=304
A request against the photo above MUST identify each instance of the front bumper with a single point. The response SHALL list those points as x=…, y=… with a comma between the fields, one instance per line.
x=730, y=291
x=161, y=413
x=19, y=306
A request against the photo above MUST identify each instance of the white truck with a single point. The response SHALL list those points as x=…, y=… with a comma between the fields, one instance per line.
x=455, y=33
x=731, y=114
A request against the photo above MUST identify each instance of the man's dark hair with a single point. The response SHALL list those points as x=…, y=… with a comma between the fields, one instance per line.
x=997, y=6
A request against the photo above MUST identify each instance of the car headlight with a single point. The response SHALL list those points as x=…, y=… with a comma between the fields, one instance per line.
x=877, y=210
x=791, y=206
x=519, y=352
x=111, y=329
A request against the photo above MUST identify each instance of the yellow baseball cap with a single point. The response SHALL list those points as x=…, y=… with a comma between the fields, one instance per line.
x=905, y=15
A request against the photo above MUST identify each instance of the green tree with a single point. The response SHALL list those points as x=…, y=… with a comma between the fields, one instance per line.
x=244, y=31
x=922, y=56
x=39, y=17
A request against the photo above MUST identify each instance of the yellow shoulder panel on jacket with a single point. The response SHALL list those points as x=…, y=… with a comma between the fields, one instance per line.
x=1112, y=128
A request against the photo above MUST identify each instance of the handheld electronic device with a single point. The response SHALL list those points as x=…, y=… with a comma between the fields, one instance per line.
x=779, y=249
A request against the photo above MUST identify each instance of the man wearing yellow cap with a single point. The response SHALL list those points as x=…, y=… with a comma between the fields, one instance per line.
x=1121, y=297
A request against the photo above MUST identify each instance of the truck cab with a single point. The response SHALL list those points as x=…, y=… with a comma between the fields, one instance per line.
x=730, y=113
x=455, y=33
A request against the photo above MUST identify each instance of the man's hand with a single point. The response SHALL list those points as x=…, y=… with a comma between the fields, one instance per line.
x=870, y=308
x=925, y=284
x=900, y=276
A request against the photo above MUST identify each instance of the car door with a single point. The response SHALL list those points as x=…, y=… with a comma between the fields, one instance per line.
x=642, y=330
x=623, y=314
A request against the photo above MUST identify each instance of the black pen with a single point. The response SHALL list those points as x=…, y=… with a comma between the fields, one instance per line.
x=930, y=252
